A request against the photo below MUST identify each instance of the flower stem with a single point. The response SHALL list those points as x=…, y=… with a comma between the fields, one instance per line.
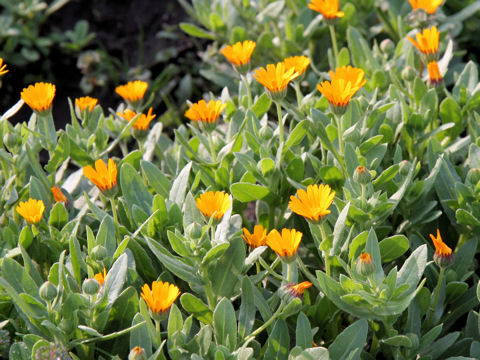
x=334, y=44
x=270, y=268
x=266, y=324
x=212, y=147
x=364, y=196
x=157, y=331
x=325, y=253
x=249, y=92
x=281, y=135
x=437, y=294
x=338, y=120
x=298, y=93
x=115, y=218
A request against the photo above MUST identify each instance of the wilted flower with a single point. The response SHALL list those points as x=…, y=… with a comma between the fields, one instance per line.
x=286, y=243
x=100, y=277
x=105, y=178
x=214, y=204
x=132, y=91
x=86, y=103
x=39, y=96
x=312, y=204
x=427, y=42
x=443, y=256
x=31, y=210
x=3, y=67
x=299, y=63
x=275, y=78
x=328, y=8
x=160, y=297
x=430, y=6
x=58, y=194
x=434, y=73
x=239, y=54
x=143, y=120
x=257, y=238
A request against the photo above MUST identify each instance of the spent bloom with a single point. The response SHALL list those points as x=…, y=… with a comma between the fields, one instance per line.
x=86, y=103
x=3, y=67
x=443, y=256
x=31, y=210
x=100, y=277
x=312, y=204
x=275, y=78
x=328, y=8
x=103, y=176
x=434, y=73
x=132, y=91
x=214, y=204
x=284, y=244
x=239, y=54
x=39, y=96
x=299, y=63
x=160, y=297
x=427, y=42
x=58, y=194
x=205, y=113
x=142, y=121
x=430, y=6
x=257, y=238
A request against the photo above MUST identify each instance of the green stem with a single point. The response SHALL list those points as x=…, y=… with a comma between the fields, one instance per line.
x=306, y=272
x=281, y=134
x=298, y=93
x=364, y=196
x=157, y=331
x=249, y=92
x=270, y=268
x=437, y=294
x=338, y=120
x=334, y=44
x=212, y=147
x=212, y=240
x=115, y=218
x=266, y=324
x=325, y=253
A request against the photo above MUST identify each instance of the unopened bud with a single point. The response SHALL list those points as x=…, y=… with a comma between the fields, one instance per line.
x=47, y=291
x=266, y=133
x=90, y=286
x=408, y=73
x=194, y=231
x=365, y=265
x=362, y=175
x=137, y=353
x=10, y=139
x=473, y=176
x=99, y=253
x=387, y=46
x=404, y=167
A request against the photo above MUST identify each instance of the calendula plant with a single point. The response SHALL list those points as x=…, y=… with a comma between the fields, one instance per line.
x=311, y=209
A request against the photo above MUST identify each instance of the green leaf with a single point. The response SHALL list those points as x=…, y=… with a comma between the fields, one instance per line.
x=197, y=308
x=393, y=247
x=303, y=333
x=246, y=314
x=398, y=340
x=180, y=185
x=246, y=192
x=214, y=253
x=373, y=249
x=115, y=279
x=338, y=230
x=134, y=190
x=297, y=134
x=362, y=56
x=468, y=78
x=350, y=339
x=156, y=179
x=58, y=216
x=413, y=268
x=60, y=154
x=194, y=30
x=225, y=324
x=106, y=235
x=140, y=336
x=262, y=105
x=278, y=341
x=175, y=320
x=39, y=192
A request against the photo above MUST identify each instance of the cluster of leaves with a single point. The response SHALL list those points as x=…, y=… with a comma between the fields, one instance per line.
x=419, y=143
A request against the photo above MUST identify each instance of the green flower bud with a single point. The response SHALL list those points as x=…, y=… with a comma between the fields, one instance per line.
x=404, y=167
x=365, y=265
x=473, y=176
x=47, y=291
x=362, y=175
x=266, y=133
x=408, y=73
x=387, y=46
x=276, y=96
x=98, y=253
x=90, y=286
x=10, y=139
x=443, y=260
x=137, y=353
x=194, y=231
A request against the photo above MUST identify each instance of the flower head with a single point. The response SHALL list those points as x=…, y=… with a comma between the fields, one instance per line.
x=434, y=73
x=299, y=63
x=205, y=113
x=143, y=120
x=312, y=204
x=31, y=210
x=427, y=42
x=3, y=67
x=257, y=238
x=86, y=103
x=214, y=204
x=58, y=194
x=286, y=243
x=365, y=265
x=39, y=96
x=275, y=78
x=443, y=256
x=100, y=277
x=328, y=8
x=132, y=91
x=430, y=6
x=160, y=297
x=105, y=178
x=298, y=289
x=239, y=54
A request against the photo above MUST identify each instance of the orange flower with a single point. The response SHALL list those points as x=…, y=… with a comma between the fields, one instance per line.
x=3, y=67
x=443, y=256
x=312, y=204
x=214, y=204
x=39, y=96
x=86, y=103
x=365, y=265
x=434, y=73
x=100, y=277
x=275, y=78
x=161, y=297
x=59, y=195
x=257, y=238
x=143, y=120
x=285, y=244
x=205, y=113
x=328, y=8
x=427, y=42
x=299, y=63
x=297, y=290
x=31, y=210
x=239, y=53
x=430, y=6
x=105, y=178
x=132, y=91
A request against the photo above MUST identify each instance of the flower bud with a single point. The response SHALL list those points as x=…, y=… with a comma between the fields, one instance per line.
x=266, y=133
x=90, y=286
x=473, y=176
x=47, y=291
x=194, y=231
x=408, y=73
x=404, y=167
x=291, y=291
x=10, y=139
x=362, y=175
x=365, y=265
x=98, y=253
x=443, y=260
x=387, y=46
x=137, y=353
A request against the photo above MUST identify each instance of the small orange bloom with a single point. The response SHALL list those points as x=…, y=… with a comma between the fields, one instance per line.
x=161, y=297
x=297, y=290
x=214, y=204
x=143, y=120
x=427, y=41
x=365, y=257
x=257, y=238
x=312, y=204
x=441, y=248
x=286, y=243
x=205, y=113
x=86, y=103
x=430, y=6
x=328, y=8
x=132, y=91
x=59, y=195
x=275, y=78
x=31, y=210
x=434, y=73
x=105, y=178
x=299, y=63
x=239, y=53
x=3, y=67
x=39, y=96
x=100, y=277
